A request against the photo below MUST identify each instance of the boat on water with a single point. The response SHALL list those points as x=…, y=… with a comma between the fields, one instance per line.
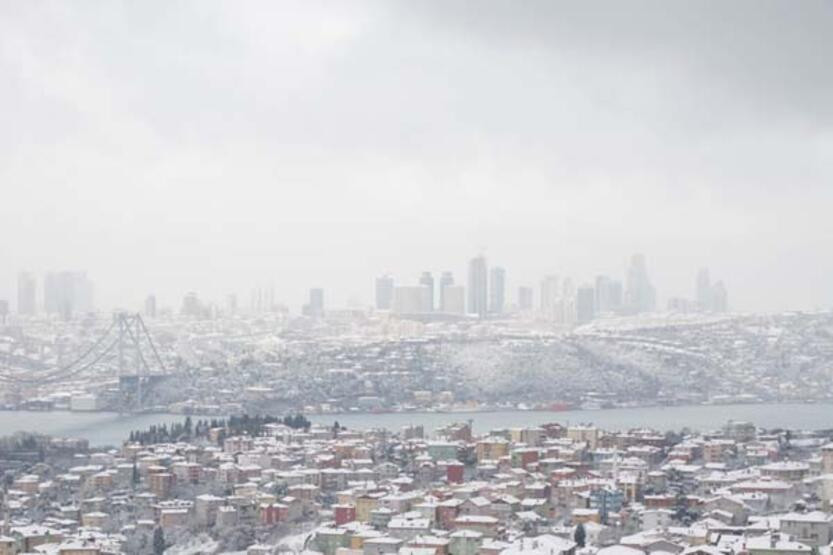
x=557, y=407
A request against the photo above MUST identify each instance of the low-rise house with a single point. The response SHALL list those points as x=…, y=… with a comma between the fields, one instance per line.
x=813, y=528
x=776, y=543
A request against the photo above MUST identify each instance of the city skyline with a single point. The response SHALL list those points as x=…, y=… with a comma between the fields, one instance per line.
x=632, y=292
x=291, y=143
x=276, y=295
x=434, y=277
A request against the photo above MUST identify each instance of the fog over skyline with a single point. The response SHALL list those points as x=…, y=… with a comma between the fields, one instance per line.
x=165, y=147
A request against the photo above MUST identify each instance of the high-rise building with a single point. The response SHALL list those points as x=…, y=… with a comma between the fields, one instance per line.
x=150, y=306
x=446, y=279
x=640, y=295
x=67, y=293
x=708, y=296
x=608, y=295
x=315, y=307
x=585, y=304
x=26, y=293
x=191, y=306
x=384, y=292
x=497, y=290
x=427, y=281
x=411, y=299
x=262, y=299
x=549, y=297
x=616, y=295
x=566, y=312
x=602, y=291
x=720, y=297
x=454, y=299
x=478, y=286
x=525, y=298
x=703, y=290
x=4, y=311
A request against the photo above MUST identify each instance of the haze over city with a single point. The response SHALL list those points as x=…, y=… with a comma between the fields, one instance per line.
x=426, y=277
x=211, y=147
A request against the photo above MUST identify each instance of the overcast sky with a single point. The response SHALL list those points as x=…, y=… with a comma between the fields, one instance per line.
x=212, y=146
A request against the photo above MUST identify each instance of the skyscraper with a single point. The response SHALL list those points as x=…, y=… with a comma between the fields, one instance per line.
x=191, y=306
x=720, y=297
x=567, y=303
x=525, y=298
x=478, y=286
x=640, y=295
x=67, y=293
x=608, y=295
x=446, y=279
x=703, y=290
x=585, y=304
x=454, y=299
x=150, y=306
x=549, y=297
x=497, y=290
x=427, y=280
x=411, y=299
x=384, y=292
x=602, y=294
x=615, y=295
x=26, y=288
x=315, y=307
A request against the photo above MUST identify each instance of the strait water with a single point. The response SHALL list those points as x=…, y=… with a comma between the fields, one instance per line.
x=102, y=428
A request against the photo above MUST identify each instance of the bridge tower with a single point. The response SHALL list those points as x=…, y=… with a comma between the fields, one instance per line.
x=133, y=370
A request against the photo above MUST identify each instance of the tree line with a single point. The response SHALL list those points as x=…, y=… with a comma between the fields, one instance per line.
x=252, y=425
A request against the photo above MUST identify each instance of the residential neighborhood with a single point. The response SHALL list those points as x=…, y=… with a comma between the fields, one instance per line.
x=260, y=486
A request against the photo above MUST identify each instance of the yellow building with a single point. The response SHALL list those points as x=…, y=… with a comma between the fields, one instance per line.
x=491, y=449
x=365, y=504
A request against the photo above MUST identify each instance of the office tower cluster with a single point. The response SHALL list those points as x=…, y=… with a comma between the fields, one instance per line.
x=194, y=307
x=482, y=294
x=559, y=299
x=65, y=294
x=640, y=295
x=419, y=299
x=562, y=302
x=485, y=294
x=262, y=299
x=710, y=297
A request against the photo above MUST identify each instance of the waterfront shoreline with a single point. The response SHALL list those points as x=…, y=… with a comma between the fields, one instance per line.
x=108, y=428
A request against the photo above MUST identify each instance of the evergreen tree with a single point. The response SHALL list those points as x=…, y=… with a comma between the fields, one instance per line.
x=580, y=535
x=158, y=541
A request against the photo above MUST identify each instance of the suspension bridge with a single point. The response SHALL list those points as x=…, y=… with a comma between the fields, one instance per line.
x=125, y=350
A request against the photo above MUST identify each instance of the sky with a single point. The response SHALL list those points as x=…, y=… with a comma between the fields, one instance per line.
x=172, y=146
